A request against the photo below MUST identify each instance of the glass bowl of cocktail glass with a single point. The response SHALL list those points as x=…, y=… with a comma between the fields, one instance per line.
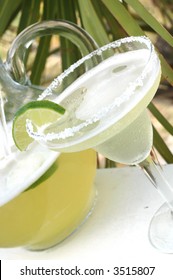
x=44, y=195
x=106, y=110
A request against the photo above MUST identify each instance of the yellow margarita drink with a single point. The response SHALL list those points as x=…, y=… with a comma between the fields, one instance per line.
x=54, y=206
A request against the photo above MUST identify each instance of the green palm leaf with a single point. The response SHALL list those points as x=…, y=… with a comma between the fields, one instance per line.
x=150, y=20
x=8, y=12
x=92, y=23
x=105, y=20
x=161, y=147
x=30, y=13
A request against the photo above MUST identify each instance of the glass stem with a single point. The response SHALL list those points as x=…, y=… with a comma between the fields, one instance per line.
x=156, y=175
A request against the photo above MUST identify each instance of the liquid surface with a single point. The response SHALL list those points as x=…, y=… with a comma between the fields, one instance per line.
x=103, y=101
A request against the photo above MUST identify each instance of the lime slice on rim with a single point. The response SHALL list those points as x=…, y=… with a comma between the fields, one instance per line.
x=39, y=112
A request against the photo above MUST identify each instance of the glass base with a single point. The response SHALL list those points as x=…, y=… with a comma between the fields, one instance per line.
x=161, y=229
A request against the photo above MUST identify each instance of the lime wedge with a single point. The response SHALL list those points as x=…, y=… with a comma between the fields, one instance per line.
x=40, y=113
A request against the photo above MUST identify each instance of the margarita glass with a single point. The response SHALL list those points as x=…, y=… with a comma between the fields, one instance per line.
x=44, y=195
x=106, y=110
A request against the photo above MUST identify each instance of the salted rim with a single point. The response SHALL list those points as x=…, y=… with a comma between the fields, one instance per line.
x=69, y=132
x=58, y=80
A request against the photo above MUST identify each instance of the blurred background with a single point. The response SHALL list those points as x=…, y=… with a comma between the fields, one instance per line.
x=106, y=21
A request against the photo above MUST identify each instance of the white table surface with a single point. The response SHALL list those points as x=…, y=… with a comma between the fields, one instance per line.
x=118, y=227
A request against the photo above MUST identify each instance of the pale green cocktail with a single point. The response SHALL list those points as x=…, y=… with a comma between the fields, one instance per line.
x=106, y=110
x=105, y=107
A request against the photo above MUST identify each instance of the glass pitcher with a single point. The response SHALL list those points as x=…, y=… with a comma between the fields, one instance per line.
x=44, y=195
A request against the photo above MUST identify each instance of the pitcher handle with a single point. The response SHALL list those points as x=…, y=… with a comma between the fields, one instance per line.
x=15, y=57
